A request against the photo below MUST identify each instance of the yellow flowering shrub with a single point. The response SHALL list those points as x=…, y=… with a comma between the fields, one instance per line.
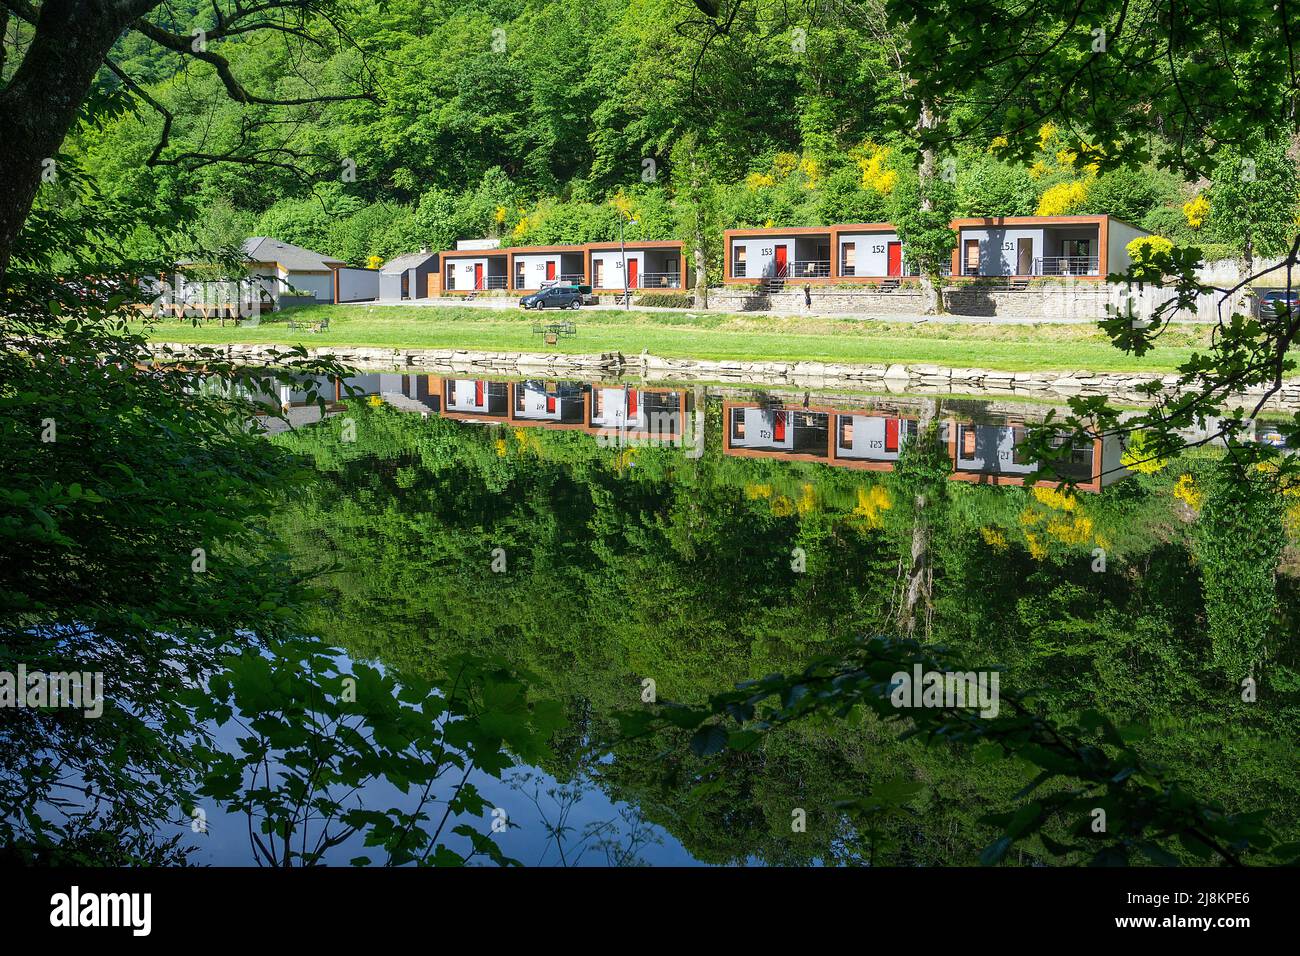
x=1197, y=211
x=756, y=181
x=1063, y=198
x=783, y=164
x=374, y=262
x=1046, y=133
x=812, y=172
x=623, y=203
x=873, y=160
x=753, y=491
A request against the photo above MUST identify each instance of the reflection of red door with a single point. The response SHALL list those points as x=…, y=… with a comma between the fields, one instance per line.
x=550, y=269
x=891, y=434
x=631, y=403
x=780, y=261
x=778, y=427
x=631, y=273
x=478, y=394
x=478, y=275
x=550, y=404
x=895, y=259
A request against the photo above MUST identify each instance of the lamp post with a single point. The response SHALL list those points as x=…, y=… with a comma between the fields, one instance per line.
x=623, y=252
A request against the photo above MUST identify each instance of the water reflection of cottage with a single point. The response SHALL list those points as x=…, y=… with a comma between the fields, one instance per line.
x=476, y=399
x=800, y=434
x=637, y=412
x=997, y=454
x=555, y=404
x=870, y=440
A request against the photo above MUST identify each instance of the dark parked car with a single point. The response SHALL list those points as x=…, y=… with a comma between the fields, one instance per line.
x=1273, y=301
x=556, y=297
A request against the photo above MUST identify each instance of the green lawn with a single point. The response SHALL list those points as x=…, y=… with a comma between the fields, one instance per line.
x=703, y=336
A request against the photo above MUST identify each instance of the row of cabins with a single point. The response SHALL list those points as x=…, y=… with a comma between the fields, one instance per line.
x=1012, y=247
x=1016, y=248
x=988, y=452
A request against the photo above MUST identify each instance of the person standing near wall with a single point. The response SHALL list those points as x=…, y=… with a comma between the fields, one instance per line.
x=807, y=296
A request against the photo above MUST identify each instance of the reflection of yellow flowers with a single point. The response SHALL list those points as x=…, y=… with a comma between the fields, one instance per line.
x=1037, y=550
x=624, y=458
x=501, y=447
x=807, y=499
x=1197, y=211
x=782, y=506
x=1186, y=491
x=1063, y=198
x=871, y=502
x=994, y=538
x=1060, y=500
x=758, y=491
x=1078, y=531
x=375, y=401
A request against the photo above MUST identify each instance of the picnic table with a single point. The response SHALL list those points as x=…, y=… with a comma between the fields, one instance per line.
x=552, y=331
x=319, y=326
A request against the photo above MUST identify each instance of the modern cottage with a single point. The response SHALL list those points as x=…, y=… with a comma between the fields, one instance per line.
x=871, y=253
x=1023, y=247
x=407, y=276
x=525, y=269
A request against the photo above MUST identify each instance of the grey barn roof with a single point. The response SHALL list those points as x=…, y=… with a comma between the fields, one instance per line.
x=293, y=258
x=410, y=260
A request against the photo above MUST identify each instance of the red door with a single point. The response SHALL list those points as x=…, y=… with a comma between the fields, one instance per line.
x=891, y=434
x=550, y=269
x=631, y=273
x=895, y=259
x=478, y=275
x=780, y=261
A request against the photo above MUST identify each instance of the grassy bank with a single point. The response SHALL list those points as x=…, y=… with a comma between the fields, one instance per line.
x=694, y=335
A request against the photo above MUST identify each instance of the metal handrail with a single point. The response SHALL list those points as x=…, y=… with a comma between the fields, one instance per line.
x=660, y=280
x=810, y=269
x=1067, y=265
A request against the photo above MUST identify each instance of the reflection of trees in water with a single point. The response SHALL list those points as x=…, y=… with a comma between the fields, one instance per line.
x=617, y=842
x=681, y=570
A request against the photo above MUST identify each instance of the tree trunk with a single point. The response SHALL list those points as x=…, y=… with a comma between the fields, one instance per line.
x=918, y=589
x=931, y=282
x=701, y=269
x=41, y=102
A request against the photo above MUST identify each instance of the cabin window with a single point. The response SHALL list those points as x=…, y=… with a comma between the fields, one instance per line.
x=737, y=423
x=972, y=257
x=519, y=275
x=738, y=264
x=848, y=258
x=451, y=276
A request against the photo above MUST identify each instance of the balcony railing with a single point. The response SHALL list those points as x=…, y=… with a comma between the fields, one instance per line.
x=660, y=280
x=810, y=269
x=573, y=278
x=1067, y=266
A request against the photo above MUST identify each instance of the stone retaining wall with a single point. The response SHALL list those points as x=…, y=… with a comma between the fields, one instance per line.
x=898, y=379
